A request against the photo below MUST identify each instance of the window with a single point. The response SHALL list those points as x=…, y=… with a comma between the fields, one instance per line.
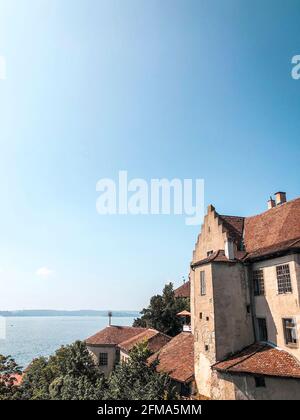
x=258, y=282
x=260, y=381
x=209, y=253
x=262, y=329
x=103, y=359
x=200, y=315
x=206, y=347
x=283, y=279
x=290, y=332
x=202, y=283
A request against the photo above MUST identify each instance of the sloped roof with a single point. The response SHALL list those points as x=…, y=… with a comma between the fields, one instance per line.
x=114, y=335
x=234, y=226
x=261, y=359
x=177, y=358
x=275, y=230
x=274, y=226
x=217, y=256
x=155, y=340
x=184, y=313
x=183, y=290
x=291, y=244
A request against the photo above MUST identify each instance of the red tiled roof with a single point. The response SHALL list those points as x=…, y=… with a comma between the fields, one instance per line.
x=155, y=340
x=217, y=256
x=261, y=359
x=274, y=226
x=275, y=230
x=273, y=249
x=114, y=335
x=183, y=291
x=18, y=379
x=15, y=379
x=184, y=313
x=234, y=226
x=177, y=358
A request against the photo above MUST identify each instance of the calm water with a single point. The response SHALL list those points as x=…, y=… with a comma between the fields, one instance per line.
x=29, y=337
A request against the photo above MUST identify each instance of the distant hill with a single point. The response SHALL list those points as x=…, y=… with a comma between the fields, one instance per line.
x=50, y=312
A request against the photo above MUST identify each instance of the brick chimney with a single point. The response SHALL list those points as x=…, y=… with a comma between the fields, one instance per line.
x=271, y=203
x=280, y=198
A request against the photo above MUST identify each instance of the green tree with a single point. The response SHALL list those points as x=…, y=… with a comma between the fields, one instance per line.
x=8, y=370
x=162, y=312
x=68, y=374
x=135, y=379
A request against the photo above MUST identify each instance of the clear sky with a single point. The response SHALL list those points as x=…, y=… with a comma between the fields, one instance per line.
x=160, y=88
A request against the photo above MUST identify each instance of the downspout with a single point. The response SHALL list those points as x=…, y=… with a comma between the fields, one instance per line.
x=251, y=298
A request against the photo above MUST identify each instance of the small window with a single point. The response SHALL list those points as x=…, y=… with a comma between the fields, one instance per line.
x=206, y=347
x=103, y=359
x=207, y=318
x=209, y=253
x=202, y=283
x=283, y=279
x=290, y=332
x=258, y=282
x=200, y=315
x=260, y=382
x=262, y=329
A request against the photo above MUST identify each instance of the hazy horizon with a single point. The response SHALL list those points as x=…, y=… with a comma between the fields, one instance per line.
x=195, y=89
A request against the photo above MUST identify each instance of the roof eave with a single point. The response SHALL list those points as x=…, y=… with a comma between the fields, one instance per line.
x=242, y=373
x=273, y=254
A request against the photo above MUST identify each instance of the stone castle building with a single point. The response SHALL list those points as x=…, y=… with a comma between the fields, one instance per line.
x=245, y=314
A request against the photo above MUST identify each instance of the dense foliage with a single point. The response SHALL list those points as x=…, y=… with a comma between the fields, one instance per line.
x=8, y=371
x=138, y=380
x=161, y=312
x=71, y=374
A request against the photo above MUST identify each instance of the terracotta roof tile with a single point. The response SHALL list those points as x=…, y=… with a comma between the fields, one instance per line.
x=184, y=313
x=272, y=227
x=183, y=291
x=234, y=226
x=261, y=359
x=273, y=249
x=217, y=256
x=155, y=340
x=114, y=335
x=274, y=230
x=177, y=358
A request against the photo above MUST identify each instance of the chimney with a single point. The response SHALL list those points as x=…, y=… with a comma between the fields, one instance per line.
x=229, y=249
x=280, y=198
x=271, y=203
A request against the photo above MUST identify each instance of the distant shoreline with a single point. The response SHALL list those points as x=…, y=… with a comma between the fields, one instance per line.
x=50, y=312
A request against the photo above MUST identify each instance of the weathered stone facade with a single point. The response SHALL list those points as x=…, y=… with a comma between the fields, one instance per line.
x=225, y=310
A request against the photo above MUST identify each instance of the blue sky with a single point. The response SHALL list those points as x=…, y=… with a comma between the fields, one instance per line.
x=173, y=88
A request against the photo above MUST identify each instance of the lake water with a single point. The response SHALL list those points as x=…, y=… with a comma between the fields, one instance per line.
x=30, y=337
